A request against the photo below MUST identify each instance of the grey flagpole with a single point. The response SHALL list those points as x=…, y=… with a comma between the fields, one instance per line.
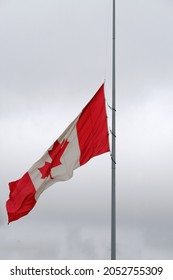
x=113, y=154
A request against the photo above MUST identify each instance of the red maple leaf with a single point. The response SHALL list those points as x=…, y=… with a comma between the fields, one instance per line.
x=55, y=153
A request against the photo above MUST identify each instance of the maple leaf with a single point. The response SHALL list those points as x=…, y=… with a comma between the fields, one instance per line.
x=55, y=153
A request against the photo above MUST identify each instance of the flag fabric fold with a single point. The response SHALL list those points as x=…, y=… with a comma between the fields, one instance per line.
x=84, y=138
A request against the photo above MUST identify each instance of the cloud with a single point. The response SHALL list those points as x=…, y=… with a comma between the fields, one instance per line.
x=55, y=241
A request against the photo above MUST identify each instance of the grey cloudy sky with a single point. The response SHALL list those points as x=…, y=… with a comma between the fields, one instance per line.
x=54, y=55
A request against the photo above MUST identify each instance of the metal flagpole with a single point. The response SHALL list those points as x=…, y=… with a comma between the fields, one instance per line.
x=113, y=156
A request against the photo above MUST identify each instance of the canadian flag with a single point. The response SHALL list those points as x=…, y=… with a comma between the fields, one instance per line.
x=84, y=138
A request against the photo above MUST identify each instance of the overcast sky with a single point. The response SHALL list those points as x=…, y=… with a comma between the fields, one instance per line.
x=54, y=55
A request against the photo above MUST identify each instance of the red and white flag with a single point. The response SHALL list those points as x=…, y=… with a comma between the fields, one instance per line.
x=84, y=138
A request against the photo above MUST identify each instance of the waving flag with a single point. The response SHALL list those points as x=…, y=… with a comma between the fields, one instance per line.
x=84, y=138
